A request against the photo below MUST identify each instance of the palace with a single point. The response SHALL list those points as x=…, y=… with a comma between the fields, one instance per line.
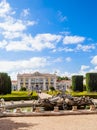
x=36, y=81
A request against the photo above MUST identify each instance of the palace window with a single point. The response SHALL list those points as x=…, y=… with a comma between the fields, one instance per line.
x=32, y=80
x=26, y=80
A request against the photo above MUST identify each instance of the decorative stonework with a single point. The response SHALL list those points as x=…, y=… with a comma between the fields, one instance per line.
x=18, y=110
x=92, y=108
x=37, y=109
x=56, y=109
x=74, y=108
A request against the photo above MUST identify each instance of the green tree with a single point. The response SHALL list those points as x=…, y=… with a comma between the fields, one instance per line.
x=77, y=83
x=62, y=78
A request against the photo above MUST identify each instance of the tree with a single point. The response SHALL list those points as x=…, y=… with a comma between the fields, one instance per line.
x=66, y=78
x=62, y=78
x=52, y=88
x=91, y=82
x=5, y=83
x=77, y=83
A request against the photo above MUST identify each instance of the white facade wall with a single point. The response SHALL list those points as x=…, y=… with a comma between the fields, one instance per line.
x=36, y=81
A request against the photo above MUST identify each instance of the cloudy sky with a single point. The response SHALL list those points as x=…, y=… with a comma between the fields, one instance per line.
x=48, y=36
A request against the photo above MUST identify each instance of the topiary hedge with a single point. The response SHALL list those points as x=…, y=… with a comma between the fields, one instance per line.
x=77, y=83
x=91, y=82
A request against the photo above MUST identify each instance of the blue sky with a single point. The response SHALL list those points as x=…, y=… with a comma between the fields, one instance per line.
x=48, y=36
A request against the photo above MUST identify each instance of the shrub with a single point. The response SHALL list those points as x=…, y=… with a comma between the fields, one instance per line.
x=52, y=88
x=5, y=83
x=91, y=82
x=18, y=98
x=19, y=95
x=85, y=93
x=77, y=83
x=23, y=89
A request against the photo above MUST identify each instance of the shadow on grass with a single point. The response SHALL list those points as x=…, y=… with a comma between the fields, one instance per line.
x=8, y=124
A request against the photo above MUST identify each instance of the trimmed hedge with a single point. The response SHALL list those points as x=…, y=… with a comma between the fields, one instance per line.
x=5, y=83
x=85, y=93
x=19, y=95
x=91, y=82
x=77, y=83
x=18, y=98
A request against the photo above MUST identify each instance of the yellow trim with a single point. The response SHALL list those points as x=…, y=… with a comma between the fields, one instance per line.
x=49, y=82
x=24, y=83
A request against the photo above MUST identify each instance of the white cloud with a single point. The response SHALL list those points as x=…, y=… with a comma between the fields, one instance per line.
x=95, y=68
x=94, y=60
x=25, y=12
x=59, y=59
x=48, y=40
x=84, y=67
x=66, y=49
x=9, y=25
x=5, y=9
x=3, y=44
x=73, y=39
x=85, y=47
x=9, y=35
x=38, y=43
x=61, y=17
x=68, y=59
x=13, y=25
x=13, y=31
x=65, y=33
x=79, y=47
x=32, y=63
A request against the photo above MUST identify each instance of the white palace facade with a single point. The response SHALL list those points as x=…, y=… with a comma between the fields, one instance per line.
x=36, y=81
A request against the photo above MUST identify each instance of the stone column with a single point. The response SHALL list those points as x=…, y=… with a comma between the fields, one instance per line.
x=49, y=82
x=29, y=84
x=24, y=85
x=55, y=82
x=18, y=84
x=44, y=85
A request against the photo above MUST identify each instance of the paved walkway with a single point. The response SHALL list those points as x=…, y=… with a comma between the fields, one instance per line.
x=71, y=122
x=44, y=95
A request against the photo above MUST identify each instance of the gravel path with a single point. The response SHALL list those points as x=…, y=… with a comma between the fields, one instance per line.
x=74, y=122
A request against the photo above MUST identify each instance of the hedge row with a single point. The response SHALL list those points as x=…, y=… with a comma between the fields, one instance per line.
x=18, y=98
x=86, y=95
